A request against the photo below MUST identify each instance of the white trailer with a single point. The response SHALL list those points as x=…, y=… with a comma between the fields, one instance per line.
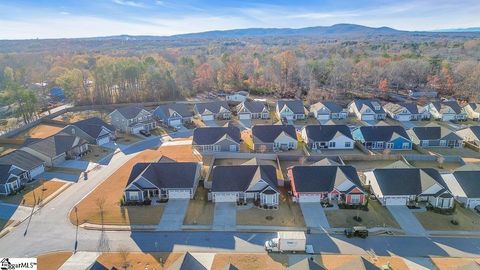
x=287, y=241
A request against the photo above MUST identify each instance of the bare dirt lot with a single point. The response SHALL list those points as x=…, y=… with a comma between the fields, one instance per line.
x=39, y=131
x=71, y=117
x=137, y=260
x=52, y=260
x=200, y=210
x=35, y=192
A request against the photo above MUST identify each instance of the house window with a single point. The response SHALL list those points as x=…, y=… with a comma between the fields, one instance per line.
x=348, y=144
x=133, y=196
x=406, y=146
x=291, y=144
x=443, y=143
x=425, y=143
x=331, y=144
x=355, y=199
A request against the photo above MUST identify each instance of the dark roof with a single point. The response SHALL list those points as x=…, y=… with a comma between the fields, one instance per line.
x=4, y=173
x=93, y=126
x=469, y=181
x=474, y=107
x=21, y=159
x=210, y=135
x=295, y=105
x=358, y=263
x=213, y=106
x=166, y=174
x=330, y=105
x=129, y=112
x=56, y=144
x=164, y=111
x=229, y=267
x=452, y=104
x=382, y=133
x=475, y=130
x=268, y=133
x=434, y=133
x=326, y=133
x=306, y=264
x=407, y=181
x=239, y=178
x=254, y=106
x=369, y=103
x=187, y=262
x=322, y=178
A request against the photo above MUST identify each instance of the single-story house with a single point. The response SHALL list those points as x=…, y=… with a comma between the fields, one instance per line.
x=435, y=136
x=473, y=111
x=274, y=137
x=173, y=114
x=290, y=109
x=446, y=111
x=216, y=139
x=94, y=130
x=210, y=111
x=367, y=109
x=25, y=161
x=339, y=184
x=252, y=110
x=406, y=186
x=406, y=111
x=57, y=148
x=326, y=110
x=383, y=137
x=162, y=180
x=465, y=186
x=470, y=134
x=328, y=137
x=236, y=97
x=12, y=178
x=244, y=183
x=132, y=119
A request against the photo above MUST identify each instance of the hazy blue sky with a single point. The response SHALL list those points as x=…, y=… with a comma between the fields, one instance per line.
x=86, y=18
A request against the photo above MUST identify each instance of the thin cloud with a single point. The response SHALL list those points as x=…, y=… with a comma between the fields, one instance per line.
x=128, y=3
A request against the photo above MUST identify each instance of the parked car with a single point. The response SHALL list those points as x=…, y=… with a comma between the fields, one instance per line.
x=477, y=208
x=145, y=133
x=356, y=231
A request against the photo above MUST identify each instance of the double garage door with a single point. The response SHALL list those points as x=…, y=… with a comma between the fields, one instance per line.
x=403, y=117
x=175, y=123
x=323, y=116
x=136, y=130
x=225, y=197
x=37, y=171
x=103, y=140
x=179, y=194
x=244, y=116
x=208, y=117
x=395, y=200
x=368, y=117
x=309, y=198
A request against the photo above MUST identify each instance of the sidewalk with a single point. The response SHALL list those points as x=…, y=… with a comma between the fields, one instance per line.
x=80, y=260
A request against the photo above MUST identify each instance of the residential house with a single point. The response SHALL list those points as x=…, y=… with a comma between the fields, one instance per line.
x=236, y=97
x=173, y=114
x=210, y=111
x=192, y=261
x=326, y=110
x=465, y=186
x=94, y=130
x=332, y=184
x=367, y=109
x=473, y=111
x=57, y=148
x=328, y=137
x=306, y=264
x=383, y=137
x=245, y=183
x=407, y=186
x=252, y=110
x=162, y=181
x=435, y=136
x=406, y=111
x=290, y=109
x=274, y=137
x=12, y=178
x=470, y=134
x=216, y=139
x=446, y=111
x=132, y=119
x=32, y=165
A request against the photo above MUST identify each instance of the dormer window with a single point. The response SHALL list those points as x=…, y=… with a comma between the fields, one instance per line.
x=376, y=105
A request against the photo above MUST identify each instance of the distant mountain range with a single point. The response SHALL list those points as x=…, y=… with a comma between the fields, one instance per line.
x=456, y=30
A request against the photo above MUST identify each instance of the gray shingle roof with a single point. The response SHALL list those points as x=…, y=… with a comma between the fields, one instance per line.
x=326, y=133
x=165, y=111
x=5, y=173
x=398, y=107
x=382, y=133
x=210, y=135
x=21, y=159
x=434, y=133
x=306, y=264
x=268, y=133
x=166, y=174
x=213, y=106
x=452, y=104
x=323, y=178
x=369, y=103
x=295, y=105
x=93, y=126
x=407, y=181
x=56, y=144
x=239, y=178
x=129, y=112
x=254, y=106
x=330, y=105
x=469, y=181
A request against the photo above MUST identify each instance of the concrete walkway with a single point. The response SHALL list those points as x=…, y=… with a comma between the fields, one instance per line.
x=314, y=216
x=225, y=216
x=173, y=215
x=80, y=261
x=407, y=220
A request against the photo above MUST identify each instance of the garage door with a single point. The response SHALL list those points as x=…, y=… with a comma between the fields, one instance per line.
x=403, y=117
x=179, y=194
x=448, y=117
x=368, y=117
x=136, y=130
x=38, y=170
x=225, y=197
x=103, y=140
x=175, y=123
x=395, y=201
x=323, y=116
x=208, y=117
x=244, y=116
x=473, y=202
x=309, y=198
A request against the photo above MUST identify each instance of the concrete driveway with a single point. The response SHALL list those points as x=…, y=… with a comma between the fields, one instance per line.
x=75, y=164
x=408, y=124
x=173, y=215
x=314, y=216
x=407, y=220
x=210, y=123
x=225, y=216
x=245, y=124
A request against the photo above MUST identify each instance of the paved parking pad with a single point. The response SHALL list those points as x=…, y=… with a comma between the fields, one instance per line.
x=407, y=220
x=225, y=216
x=314, y=216
x=173, y=215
